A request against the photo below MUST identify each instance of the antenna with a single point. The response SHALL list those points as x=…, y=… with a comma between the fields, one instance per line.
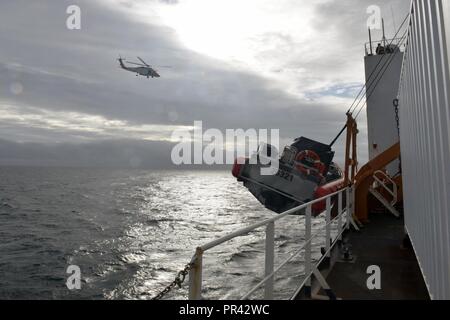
x=370, y=42
x=384, y=34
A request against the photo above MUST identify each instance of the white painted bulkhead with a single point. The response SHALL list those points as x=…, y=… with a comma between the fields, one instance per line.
x=424, y=96
x=382, y=78
x=446, y=13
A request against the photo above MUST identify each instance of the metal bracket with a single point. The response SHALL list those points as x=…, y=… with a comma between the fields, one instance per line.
x=323, y=283
x=352, y=221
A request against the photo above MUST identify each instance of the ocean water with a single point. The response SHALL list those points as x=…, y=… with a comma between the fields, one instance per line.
x=131, y=231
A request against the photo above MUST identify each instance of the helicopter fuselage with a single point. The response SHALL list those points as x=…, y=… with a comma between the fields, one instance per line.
x=143, y=71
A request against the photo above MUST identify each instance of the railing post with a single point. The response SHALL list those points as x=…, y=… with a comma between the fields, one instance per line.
x=195, y=277
x=328, y=228
x=349, y=202
x=269, y=262
x=340, y=211
x=308, y=266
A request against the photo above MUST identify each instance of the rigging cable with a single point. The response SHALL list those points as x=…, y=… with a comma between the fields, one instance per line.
x=381, y=70
x=381, y=77
x=379, y=62
x=361, y=94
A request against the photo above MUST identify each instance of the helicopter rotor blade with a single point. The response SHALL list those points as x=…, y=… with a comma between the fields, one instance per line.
x=145, y=63
x=137, y=64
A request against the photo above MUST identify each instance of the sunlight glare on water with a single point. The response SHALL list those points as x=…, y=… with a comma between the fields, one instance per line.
x=131, y=231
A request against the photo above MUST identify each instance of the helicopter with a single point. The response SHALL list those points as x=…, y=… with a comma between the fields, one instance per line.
x=143, y=68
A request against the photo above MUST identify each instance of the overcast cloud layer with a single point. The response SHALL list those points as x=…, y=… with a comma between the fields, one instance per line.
x=286, y=64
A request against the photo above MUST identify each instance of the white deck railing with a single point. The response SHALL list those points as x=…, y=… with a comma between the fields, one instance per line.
x=195, y=275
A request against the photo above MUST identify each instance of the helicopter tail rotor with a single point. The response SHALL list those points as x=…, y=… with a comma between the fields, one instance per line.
x=120, y=59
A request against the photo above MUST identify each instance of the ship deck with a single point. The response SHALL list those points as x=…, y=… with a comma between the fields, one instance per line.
x=381, y=243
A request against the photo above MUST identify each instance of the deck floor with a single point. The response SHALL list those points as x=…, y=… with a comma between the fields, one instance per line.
x=379, y=243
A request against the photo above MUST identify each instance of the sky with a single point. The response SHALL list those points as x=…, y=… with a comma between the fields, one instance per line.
x=292, y=65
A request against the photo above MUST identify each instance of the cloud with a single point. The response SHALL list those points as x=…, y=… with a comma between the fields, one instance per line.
x=124, y=153
x=69, y=124
x=294, y=67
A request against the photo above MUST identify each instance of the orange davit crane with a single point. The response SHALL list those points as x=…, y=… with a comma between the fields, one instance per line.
x=363, y=179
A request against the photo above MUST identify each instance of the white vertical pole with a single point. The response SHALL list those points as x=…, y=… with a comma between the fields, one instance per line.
x=328, y=227
x=340, y=214
x=269, y=262
x=349, y=202
x=195, y=277
x=308, y=266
